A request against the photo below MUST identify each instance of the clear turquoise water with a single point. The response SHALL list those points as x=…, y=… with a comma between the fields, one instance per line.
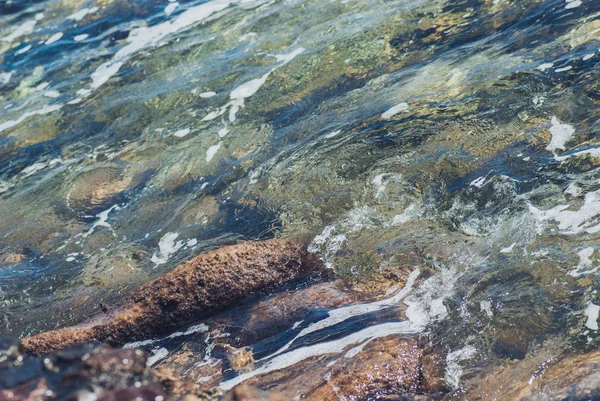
x=133, y=136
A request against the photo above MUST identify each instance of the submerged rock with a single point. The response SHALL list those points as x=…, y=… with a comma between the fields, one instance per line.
x=247, y=393
x=234, y=335
x=196, y=289
x=548, y=373
x=387, y=366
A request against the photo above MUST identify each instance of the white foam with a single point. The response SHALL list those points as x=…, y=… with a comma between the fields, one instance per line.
x=23, y=29
x=426, y=304
x=81, y=37
x=182, y=132
x=538, y=101
x=54, y=38
x=142, y=37
x=5, y=77
x=44, y=110
x=34, y=168
x=157, y=355
x=79, y=15
x=328, y=241
x=102, y=220
x=286, y=58
x=594, y=152
x=166, y=247
x=52, y=94
x=486, y=306
x=564, y=69
x=206, y=95
x=545, y=66
x=254, y=177
x=23, y=50
x=573, y=4
x=198, y=328
x=585, y=263
x=331, y=347
x=508, y=249
x=478, y=182
x=4, y=186
x=400, y=107
x=42, y=86
x=592, y=311
x=222, y=132
x=379, y=185
x=342, y=314
x=561, y=134
x=573, y=189
x=171, y=7
x=104, y=73
x=239, y=94
x=249, y=88
x=408, y=214
x=574, y=221
x=212, y=151
x=332, y=134
x=138, y=344
x=454, y=369
x=214, y=114
x=330, y=244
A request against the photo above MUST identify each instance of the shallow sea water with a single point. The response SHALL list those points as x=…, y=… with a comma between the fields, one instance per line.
x=134, y=135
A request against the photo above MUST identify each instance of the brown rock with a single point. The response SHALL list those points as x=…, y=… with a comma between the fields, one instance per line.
x=546, y=374
x=196, y=289
x=9, y=258
x=388, y=366
x=247, y=393
x=248, y=325
x=104, y=372
x=145, y=393
x=33, y=390
x=240, y=359
x=98, y=187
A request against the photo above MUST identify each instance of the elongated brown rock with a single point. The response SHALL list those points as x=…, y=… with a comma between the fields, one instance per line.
x=196, y=289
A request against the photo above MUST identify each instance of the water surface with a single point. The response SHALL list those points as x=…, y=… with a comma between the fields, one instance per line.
x=454, y=137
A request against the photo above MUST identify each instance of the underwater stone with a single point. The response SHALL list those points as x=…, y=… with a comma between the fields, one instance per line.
x=196, y=289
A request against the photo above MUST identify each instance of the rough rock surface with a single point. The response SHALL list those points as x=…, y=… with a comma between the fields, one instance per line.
x=196, y=289
x=247, y=393
x=81, y=372
x=388, y=366
x=547, y=374
x=246, y=326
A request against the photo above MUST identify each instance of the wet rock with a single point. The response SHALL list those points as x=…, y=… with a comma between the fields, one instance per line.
x=237, y=330
x=32, y=390
x=9, y=258
x=240, y=359
x=247, y=393
x=145, y=393
x=80, y=372
x=546, y=374
x=115, y=266
x=98, y=188
x=388, y=366
x=196, y=289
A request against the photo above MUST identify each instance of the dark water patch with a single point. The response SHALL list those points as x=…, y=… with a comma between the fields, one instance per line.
x=340, y=85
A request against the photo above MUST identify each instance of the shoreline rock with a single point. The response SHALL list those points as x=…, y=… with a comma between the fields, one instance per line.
x=196, y=289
